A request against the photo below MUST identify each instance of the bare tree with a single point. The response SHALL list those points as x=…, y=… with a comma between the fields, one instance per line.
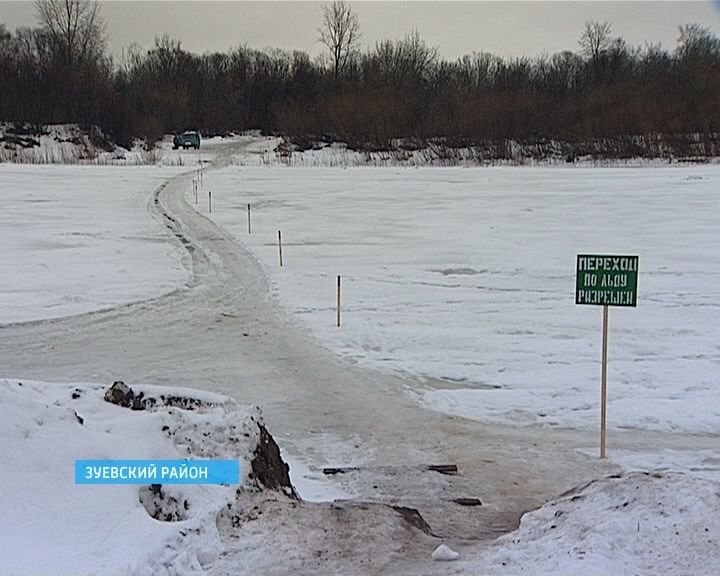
x=696, y=41
x=595, y=38
x=416, y=56
x=340, y=32
x=76, y=27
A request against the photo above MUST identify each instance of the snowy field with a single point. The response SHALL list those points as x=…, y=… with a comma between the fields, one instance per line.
x=460, y=278
x=464, y=279
x=79, y=238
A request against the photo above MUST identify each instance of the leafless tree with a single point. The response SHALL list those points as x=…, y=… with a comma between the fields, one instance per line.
x=595, y=38
x=76, y=27
x=696, y=41
x=416, y=56
x=340, y=32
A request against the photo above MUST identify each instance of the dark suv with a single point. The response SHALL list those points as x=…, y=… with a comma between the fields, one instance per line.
x=186, y=140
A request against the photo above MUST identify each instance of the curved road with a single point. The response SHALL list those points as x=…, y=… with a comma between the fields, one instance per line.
x=222, y=332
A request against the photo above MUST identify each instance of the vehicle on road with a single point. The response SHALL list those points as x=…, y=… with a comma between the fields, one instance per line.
x=189, y=139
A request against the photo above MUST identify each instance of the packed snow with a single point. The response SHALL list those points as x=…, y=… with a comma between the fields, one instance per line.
x=79, y=238
x=444, y=553
x=464, y=279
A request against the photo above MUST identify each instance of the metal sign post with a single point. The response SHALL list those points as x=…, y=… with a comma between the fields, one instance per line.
x=606, y=280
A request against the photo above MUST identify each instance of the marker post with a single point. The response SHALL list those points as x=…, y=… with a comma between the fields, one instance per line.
x=338, y=300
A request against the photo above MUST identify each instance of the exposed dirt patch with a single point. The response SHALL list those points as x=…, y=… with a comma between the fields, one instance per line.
x=163, y=506
x=269, y=467
x=122, y=395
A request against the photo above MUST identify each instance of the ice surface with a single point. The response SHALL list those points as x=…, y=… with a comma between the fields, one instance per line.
x=79, y=238
x=464, y=279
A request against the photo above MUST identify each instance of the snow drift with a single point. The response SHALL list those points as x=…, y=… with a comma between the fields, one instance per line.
x=58, y=527
x=636, y=523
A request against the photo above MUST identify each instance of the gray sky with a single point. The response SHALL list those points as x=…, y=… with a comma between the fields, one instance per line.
x=507, y=28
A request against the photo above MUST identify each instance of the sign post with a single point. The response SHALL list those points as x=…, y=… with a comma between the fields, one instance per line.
x=606, y=280
x=603, y=385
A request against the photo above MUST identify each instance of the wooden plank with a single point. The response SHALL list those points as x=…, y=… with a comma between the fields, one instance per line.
x=448, y=469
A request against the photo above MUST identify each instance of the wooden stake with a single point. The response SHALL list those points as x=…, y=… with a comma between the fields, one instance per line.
x=249, y=228
x=280, y=246
x=338, y=301
x=209, y=201
x=195, y=190
x=603, y=392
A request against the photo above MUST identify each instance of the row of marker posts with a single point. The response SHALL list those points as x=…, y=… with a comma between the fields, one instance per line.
x=603, y=404
x=197, y=183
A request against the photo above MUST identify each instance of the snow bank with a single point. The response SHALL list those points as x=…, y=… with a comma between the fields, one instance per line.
x=639, y=523
x=627, y=151
x=71, y=144
x=60, y=144
x=49, y=525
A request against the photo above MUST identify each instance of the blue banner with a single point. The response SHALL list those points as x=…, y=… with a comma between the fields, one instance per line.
x=157, y=472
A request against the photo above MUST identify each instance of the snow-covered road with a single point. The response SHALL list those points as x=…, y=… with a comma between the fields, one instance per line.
x=224, y=333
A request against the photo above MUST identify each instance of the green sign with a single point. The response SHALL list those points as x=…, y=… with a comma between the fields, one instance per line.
x=606, y=280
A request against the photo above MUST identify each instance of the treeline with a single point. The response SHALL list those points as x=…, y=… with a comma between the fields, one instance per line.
x=399, y=89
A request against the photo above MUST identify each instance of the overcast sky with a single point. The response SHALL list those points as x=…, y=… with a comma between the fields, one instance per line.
x=507, y=28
